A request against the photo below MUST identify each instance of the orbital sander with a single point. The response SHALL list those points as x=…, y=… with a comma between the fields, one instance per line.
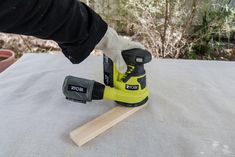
x=128, y=89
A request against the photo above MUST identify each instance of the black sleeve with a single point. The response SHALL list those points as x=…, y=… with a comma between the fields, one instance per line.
x=73, y=25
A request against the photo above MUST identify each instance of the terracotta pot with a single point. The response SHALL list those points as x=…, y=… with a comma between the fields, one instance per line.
x=7, y=58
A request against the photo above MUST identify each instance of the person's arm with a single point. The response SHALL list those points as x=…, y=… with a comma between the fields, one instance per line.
x=73, y=25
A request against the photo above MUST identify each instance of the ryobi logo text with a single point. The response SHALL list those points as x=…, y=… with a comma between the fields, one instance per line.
x=77, y=89
x=132, y=87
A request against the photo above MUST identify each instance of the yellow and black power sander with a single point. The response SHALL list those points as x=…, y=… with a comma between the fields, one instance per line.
x=128, y=89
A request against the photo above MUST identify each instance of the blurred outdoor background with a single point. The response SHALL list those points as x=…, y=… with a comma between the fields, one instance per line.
x=189, y=29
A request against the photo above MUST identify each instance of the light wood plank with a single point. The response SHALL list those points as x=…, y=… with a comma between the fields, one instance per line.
x=102, y=123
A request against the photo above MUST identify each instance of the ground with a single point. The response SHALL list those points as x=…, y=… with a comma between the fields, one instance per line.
x=22, y=44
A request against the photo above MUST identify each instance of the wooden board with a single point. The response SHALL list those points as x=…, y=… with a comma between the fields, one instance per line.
x=102, y=123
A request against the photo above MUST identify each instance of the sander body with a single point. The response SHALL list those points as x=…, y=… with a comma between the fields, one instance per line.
x=128, y=89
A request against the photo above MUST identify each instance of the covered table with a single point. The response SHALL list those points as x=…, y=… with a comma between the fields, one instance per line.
x=191, y=111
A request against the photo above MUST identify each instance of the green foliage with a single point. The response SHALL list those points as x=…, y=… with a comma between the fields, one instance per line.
x=215, y=19
x=173, y=28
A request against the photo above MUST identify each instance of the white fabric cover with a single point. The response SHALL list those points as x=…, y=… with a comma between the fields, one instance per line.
x=191, y=111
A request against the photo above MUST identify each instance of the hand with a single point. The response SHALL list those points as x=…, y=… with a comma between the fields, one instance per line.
x=112, y=45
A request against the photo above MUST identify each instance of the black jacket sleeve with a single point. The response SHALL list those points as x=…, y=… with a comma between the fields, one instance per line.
x=73, y=25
